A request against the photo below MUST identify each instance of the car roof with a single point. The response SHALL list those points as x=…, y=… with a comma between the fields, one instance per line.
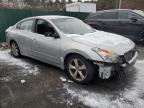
x=46, y=17
x=113, y=10
x=117, y=9
x=110, y=10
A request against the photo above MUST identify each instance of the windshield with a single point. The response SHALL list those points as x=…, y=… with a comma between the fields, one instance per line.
x=140, y=12
x=72, y=26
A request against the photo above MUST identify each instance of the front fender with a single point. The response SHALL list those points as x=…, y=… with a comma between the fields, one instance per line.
x=77, y=52
x=88, y=55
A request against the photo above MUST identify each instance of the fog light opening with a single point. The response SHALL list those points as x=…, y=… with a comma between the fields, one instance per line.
x=105, y=72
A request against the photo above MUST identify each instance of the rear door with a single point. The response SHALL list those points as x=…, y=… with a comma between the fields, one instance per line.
x=24, y=35
x=106, y=21
x=110, y=21
x=131, y=24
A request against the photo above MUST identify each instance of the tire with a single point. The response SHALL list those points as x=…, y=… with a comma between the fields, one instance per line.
x=15, y=49
x=80, y=69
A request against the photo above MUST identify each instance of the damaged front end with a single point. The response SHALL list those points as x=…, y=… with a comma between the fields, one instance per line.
x=119, y=65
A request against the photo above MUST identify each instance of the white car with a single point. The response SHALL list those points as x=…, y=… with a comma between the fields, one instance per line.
x=70, y=44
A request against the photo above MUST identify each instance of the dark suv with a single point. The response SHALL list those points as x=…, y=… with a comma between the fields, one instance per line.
x=126, y=22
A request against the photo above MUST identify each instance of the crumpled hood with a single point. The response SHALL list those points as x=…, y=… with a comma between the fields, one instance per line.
x=113, y=42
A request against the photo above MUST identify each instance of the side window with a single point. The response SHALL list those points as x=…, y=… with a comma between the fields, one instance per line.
x=95, y=16
x=110, y=15
x=25, y=25
x=44, y=28
x=132, y=14
x=99, y=16
x=123, y=15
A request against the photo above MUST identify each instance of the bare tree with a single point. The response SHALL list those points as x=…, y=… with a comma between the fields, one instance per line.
x=1, y=3
x=50, y=3
x=63, y=3
x=69, y=1
x=43, y=3
x=79, y=0
x=29, y=3
x=39, y=4
x=57, y=1
x=106, y=4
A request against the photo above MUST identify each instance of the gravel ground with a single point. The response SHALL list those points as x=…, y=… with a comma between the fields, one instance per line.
x=27, y=83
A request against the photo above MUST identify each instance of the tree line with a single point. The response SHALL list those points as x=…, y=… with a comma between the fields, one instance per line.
x=34, y=4
x=53, y=5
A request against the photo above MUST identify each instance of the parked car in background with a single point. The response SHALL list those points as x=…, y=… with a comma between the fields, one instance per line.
x=70, y=44
x=126, y=22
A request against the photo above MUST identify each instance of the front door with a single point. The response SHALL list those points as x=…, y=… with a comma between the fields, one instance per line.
x=45, y=45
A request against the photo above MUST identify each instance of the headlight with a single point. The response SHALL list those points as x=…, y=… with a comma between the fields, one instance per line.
x=107, y=55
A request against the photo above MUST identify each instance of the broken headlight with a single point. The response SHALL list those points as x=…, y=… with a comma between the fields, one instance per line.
x=107, y=55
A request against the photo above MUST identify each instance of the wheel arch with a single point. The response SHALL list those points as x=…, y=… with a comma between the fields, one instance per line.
x=76, y=52
x=90, y=68
x=12, y=40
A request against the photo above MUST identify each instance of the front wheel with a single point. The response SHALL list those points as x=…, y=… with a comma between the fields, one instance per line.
x=80, y=69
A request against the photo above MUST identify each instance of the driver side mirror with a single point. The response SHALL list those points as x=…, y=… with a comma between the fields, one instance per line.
x=51, y=34
x=133, y=19
x=55, y=35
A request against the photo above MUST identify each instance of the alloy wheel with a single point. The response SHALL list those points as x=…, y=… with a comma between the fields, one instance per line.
x=14, y=49
x=77, y=69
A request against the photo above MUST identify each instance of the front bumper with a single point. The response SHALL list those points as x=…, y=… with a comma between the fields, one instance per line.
x=131, y=62
x=106, y=70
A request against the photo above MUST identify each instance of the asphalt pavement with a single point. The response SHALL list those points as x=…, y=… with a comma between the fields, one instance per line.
x=28, y=83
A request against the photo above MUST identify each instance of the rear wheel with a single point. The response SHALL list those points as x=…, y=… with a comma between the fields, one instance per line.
x=79, y=69
x=15, y=49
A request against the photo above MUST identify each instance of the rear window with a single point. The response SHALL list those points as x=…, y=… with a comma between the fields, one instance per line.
x=110, y=15
x=25, y=25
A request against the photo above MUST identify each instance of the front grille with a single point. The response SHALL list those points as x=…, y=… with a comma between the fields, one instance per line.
x=129, y=55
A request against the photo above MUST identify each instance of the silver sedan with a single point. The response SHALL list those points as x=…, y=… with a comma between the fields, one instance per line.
x=72, y=45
